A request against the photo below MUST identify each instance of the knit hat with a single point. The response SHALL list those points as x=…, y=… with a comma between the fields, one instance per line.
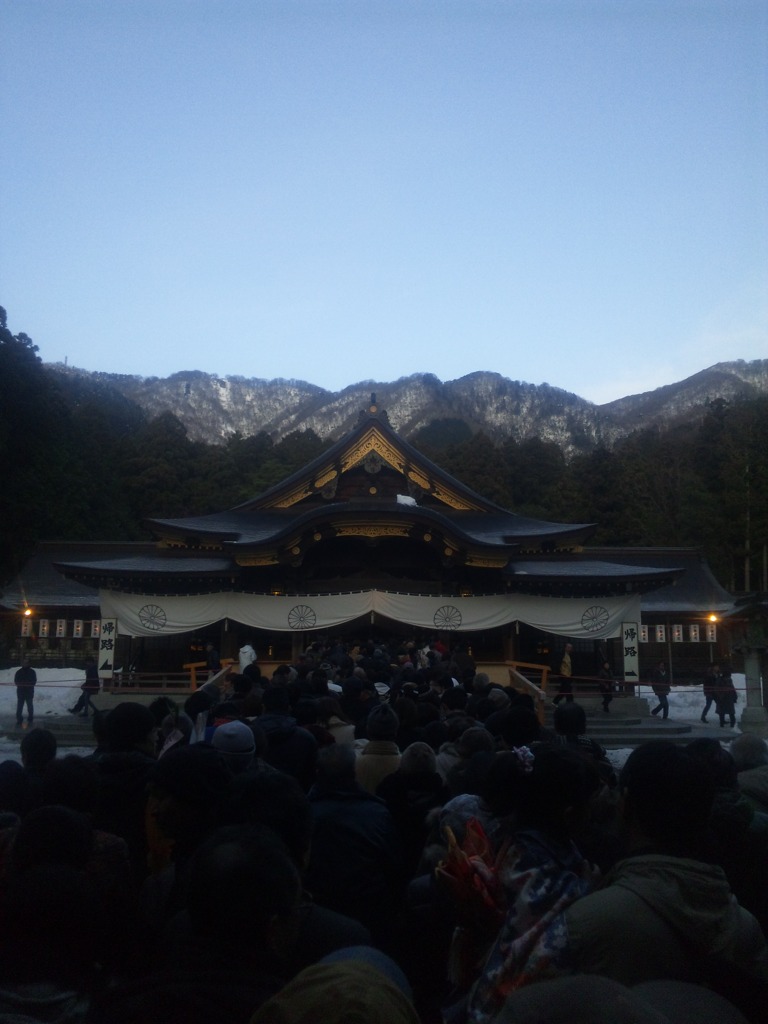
x=498, y=698
x=236, y=742
x=382, y=723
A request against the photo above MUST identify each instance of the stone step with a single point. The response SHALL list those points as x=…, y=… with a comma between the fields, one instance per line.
x=616, y=731
x=676, y=732
x=70, y=730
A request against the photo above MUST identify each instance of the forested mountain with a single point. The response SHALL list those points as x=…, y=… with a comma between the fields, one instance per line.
x=213, y=408
x=81, y=458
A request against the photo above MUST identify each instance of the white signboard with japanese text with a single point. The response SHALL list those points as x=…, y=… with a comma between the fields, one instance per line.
x=630, y=636
x=107, y=644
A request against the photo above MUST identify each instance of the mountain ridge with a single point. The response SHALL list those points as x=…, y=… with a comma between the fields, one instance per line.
x=212, y=408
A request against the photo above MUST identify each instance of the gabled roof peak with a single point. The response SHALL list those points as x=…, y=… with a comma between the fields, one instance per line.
x=373, y=412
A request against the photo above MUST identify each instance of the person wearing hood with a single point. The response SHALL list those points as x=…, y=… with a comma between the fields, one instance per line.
x=663, y=912
x=246, y=656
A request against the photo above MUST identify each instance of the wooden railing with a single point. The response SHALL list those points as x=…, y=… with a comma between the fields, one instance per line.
x=195, y=674
x=202, y=666
x=520, y=682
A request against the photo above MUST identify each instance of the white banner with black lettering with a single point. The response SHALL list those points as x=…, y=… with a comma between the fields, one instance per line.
x=146, y=615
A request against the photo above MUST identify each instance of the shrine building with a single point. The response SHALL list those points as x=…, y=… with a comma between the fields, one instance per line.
x=371, y=539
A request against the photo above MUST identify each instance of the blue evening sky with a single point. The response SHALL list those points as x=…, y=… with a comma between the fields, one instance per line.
x=570, y=191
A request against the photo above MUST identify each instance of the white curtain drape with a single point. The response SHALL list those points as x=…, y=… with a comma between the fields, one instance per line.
x=147, y=615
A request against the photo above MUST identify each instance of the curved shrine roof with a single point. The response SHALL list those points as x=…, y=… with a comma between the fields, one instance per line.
x=373, y=473
x=240, y=528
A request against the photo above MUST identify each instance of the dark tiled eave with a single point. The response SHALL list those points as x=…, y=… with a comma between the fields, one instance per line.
x=579, y=577
x=696, y=591
x=120, y=571
x=502, y=530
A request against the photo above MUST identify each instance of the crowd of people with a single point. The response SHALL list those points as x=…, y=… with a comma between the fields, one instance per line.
x=379, y=834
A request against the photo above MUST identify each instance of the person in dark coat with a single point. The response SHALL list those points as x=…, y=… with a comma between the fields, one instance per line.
x=712, y=680
x=25, y=680
x=725, y=700
x=605, y=682
x=91, y=685
x=355, y=860
x=411, y=793
x=124, y=767
x=212, y=660
x=660, y=686
x=290, y=748
x=241, y=898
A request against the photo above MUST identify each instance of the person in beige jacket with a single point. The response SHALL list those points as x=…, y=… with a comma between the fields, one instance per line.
x=380, y=756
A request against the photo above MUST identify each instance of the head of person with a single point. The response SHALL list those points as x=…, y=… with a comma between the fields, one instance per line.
x=521, y=727
x=52, y=835
x=71, y=781
x=418, y=758
x=481, y=682
x=236, y=744
x=456, y=725
x=474, y=740
x=161, y=707
x=252, y=673
x=350, y=985
x=382, y=723
x=38, y=748
x=188, y=786
x=749, y=751
x=177, y=723
x=130, y=726
x=558, y=786
x=328, y=708
x=666, y=799
x=503, y=786
x=244, y=892
x=277, y=801
x=305, y=711
x=498, y=697
x=591, y=999
x=455, y=698
x=570, y=719
x=717, y=763
x=336, y=766
x=276, y=701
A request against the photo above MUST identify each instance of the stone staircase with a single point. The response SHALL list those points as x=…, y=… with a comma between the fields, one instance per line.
x=630, y=723
x=71, y=730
